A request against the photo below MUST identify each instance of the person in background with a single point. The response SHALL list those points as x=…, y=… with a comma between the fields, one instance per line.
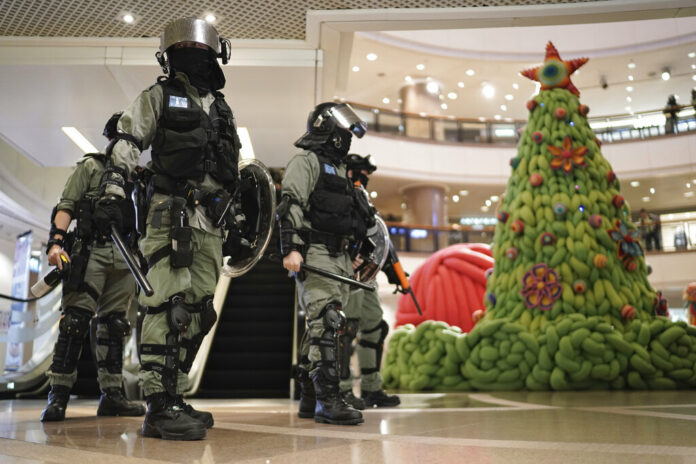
x=649, y=225
x=670, y=112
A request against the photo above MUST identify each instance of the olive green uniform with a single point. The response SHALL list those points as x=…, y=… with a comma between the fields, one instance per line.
x=365, y=306
x=107, y=276
x=314, y=291
x=195, y=282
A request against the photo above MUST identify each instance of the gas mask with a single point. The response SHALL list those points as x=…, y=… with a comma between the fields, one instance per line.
x=199, y=65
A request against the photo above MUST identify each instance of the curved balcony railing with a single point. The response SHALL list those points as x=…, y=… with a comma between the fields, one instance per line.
x=615, y=128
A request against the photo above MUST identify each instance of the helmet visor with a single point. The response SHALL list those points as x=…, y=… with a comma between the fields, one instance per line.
x=190, y=30
x=346, y=118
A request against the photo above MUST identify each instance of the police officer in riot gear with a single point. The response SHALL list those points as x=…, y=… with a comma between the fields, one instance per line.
x=322, y=222
x=195, y=153
x=364, y=320
x=96, y=279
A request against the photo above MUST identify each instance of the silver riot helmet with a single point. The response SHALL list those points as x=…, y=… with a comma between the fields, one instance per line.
x=192, y=30
x=325, y=119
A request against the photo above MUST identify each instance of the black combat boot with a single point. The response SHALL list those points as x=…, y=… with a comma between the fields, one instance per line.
x=58, y=398
x=203, y=417
x=330, y=408
x=353, y=400
x=113, y=403
x=308, y=399
x=167, y=420
x=380, y=399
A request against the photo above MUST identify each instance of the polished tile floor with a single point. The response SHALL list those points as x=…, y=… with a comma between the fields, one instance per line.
x=513, y=427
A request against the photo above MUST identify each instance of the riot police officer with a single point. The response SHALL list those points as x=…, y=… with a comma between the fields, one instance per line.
x=322, y=222
x=364, y=320
x=96, y=280
x=195, y=152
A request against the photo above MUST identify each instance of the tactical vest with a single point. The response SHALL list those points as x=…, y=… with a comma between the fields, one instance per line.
x=189, y=143
x=332, y=204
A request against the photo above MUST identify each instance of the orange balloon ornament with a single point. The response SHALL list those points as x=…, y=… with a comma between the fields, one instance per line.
x=555, y=72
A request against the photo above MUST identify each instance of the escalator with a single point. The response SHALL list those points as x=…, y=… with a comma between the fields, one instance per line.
x=251, y=352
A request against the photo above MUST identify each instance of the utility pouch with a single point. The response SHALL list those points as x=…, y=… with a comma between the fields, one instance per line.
x=182, y=254
x=75, y=276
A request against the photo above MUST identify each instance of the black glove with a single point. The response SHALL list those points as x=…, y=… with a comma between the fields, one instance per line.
x=107, y=212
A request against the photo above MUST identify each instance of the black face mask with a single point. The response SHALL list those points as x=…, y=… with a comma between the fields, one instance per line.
x=199, y=65
x=362, y=178
x=340, y=141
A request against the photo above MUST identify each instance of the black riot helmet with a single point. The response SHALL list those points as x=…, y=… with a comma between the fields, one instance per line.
x=356, y=164
x=332, y=122
x=110, y=128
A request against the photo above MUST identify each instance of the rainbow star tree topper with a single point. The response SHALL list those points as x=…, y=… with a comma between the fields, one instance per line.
x=555, y=72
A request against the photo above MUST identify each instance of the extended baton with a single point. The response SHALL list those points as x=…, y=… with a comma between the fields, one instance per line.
x=328, y=274
x=130, y=262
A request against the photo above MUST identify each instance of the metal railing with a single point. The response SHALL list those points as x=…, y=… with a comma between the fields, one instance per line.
x=614, y=128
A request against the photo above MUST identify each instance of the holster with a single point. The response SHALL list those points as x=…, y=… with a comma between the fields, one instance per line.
x=79, y=258
x=181, y=253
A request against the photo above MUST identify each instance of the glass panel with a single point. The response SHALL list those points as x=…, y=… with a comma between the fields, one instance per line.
x=390, y=124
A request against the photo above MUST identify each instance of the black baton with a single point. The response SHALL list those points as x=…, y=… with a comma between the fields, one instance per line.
x=328, y=274
x=130, y=261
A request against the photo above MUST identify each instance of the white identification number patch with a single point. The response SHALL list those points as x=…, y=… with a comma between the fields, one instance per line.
x=178, y=102
x=329, y=169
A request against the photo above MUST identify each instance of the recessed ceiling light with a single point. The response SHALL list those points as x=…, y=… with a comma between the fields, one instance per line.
x=635, y=183
x=441, y=97
x=373, y=194
x=356, y=68
x=484, y=209
x=210, y=18
x=688, y=185
x=371, y=57
x=689, y=194
x=628, y=108
x=128, y=18
x=629, y=89
x=432, y=87
x=497, y=117
x=455, y=198
x=495, y=198
x=666, y=74
x=420, y=67
x=692, y=55
x=488, y=202
x=428, y=78
x=509, y=97
x=399, y=101
x=408, y=79
x=693, y=77
x=470, y=72
x=503, y=107
x=630, y=78
x=629, y=99
x=646, y=199
x=481, y=118
x=452, y=95
x=488, y=91
x=652, y=190
x=631, y=65
x=422, y=114
x=385, y=100
x=516, y=85
x=693, y=66
x=443, y=106
x=79, y=139
x=404, y=206
x=463, y=192
x=460, y=84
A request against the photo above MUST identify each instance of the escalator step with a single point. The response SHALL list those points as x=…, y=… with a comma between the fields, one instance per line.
x=258, y=300
x=248, y=379
x=247, y=360
x=260, y=344
x=244, y=328
x=282, y=313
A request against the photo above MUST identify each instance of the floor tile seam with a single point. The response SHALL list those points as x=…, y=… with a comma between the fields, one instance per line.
x=429, y=410
x=614, y=448
x=65, y=455
x=490, y=399
x=633, y=412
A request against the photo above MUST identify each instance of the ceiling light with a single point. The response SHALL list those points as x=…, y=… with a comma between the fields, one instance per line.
x=128, y=18
x=481, y=118
x=470, y=72
x=443, y=106
x=631, y=65
x=408, y=79
x=517, y=86
x=404, y=206
x=688, y=185
x=455, y=198
x=503, y=107
x=247, y=150
x=646, y=199
x=629, y=99
x=428, y=78
x=693, y=77
x=399, y=101
x=432, y=87
x=693, y=66
x=484, y=209
x=210, y=18
x=629, y=89
x=385, y=100
x=635, y=183
x=371, y=57
x=495, y=198
x=356, y=68
x=441, y=97
x=665, y=74
x=692, y=55
x=488, y=202
x=688, y=194
x=420, y=67
x=460, y=85
x=512, y=131
x=373, y=194
x=509, y=97
x=488, y=91
x=452, y=96
x=630, y=78
x=652, y=190
x=422, y=114
x=497, y=117
x=628, y=108
x=79, y=140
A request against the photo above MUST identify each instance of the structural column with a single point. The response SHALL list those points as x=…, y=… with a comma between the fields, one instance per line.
x=426, y=204
x=422, y=96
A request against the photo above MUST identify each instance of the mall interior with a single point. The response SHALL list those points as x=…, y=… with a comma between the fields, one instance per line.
x=547, y=226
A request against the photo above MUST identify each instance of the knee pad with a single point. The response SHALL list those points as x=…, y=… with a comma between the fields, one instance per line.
x=332, y=316
x=378, y=346
x=72, y=330
x=178, y=315
x=117, y=323
x=345, y=346
x=333, y=321
x=192, y=345
x=118, y=327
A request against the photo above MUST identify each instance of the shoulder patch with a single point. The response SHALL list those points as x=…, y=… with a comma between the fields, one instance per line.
x=178, y=102
x=328, y=169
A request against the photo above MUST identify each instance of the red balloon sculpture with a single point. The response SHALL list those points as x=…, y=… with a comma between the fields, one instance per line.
x=449, y=286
